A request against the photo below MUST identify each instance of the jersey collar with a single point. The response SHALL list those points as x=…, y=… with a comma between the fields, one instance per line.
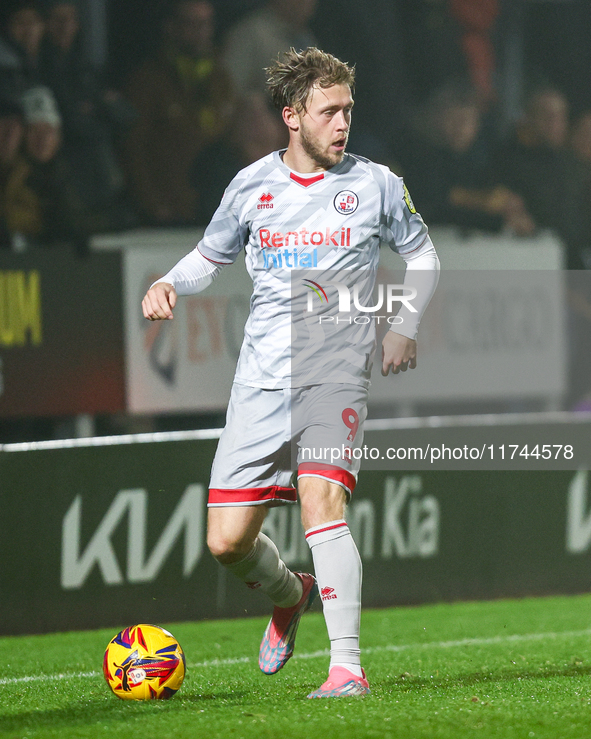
x=305, y=180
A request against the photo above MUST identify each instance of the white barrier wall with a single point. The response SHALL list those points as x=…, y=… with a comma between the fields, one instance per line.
x=495, y=329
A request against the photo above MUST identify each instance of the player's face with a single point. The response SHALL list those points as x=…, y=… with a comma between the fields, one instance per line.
x=324, y=126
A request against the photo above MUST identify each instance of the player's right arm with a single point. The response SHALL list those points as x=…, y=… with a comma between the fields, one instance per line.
x=191, y=275
x=224, y=237
x=159, y=302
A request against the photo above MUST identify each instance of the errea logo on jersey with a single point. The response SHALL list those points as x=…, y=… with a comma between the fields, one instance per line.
x=265, y=201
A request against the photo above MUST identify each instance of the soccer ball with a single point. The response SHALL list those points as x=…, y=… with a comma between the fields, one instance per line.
x=144, y=662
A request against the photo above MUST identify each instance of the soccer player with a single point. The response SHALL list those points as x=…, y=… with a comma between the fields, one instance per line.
x=309, y=206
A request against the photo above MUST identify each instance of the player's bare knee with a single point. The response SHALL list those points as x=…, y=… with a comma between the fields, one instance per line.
x=226, y=549
x=232, y=531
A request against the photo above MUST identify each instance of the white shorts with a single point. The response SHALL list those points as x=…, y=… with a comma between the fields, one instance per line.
x=269, y=433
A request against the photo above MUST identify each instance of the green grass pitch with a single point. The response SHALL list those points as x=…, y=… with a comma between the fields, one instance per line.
x=511, y=669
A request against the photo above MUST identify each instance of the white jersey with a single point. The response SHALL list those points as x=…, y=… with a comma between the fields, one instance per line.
x=312, y=226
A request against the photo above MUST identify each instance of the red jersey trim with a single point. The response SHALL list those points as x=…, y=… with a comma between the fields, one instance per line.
x=223, y=264
x=326, y=528
x=411, y=251
x=331, y=472
x=306, y=181
x=251, y=496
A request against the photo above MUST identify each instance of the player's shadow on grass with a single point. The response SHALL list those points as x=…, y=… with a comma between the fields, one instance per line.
x=109, y=709
x=408, y=683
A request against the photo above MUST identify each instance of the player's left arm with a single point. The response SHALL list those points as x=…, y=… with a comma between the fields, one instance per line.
x=398, y=353
x=405, y=232
x=399, y=347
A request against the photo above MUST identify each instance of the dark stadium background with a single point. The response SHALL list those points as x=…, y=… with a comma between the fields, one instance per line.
x=404, y=51
x=87, y=385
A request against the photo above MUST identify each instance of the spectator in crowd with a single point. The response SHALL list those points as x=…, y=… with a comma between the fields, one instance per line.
x=43, y=124
x=63, y=24
x=20, y=43
x=183, y=98
x=24, y=215
x=579, y=284
x=448, y=167
x=258, y=38
x=92, y=117
x=11, y=135
x=538, y=165
x=254, y=132
x=64, y=70
x=581, y=137
x=476, y=19
x=42, y=202
x=349, y=31
x=432, y=46
x=580, y=143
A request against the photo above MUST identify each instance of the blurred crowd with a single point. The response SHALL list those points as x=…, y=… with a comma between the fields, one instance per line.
x=79, y=157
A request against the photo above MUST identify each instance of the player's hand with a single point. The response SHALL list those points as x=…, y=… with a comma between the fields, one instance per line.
x=398, y=353
x=159, y=301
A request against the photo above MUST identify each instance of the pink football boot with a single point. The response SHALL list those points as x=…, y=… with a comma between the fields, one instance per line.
x=279, y=639
x=341, y=683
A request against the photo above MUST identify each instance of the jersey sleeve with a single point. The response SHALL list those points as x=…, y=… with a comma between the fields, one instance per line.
x=402, y=228
x=225, y=235
x=192, y=274
x=421, y=276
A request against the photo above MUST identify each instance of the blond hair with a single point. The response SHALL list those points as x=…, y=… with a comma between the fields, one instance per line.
x=290, y=79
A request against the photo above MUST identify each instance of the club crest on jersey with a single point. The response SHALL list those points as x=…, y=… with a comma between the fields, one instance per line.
x=346, y=202
x=265, y=201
